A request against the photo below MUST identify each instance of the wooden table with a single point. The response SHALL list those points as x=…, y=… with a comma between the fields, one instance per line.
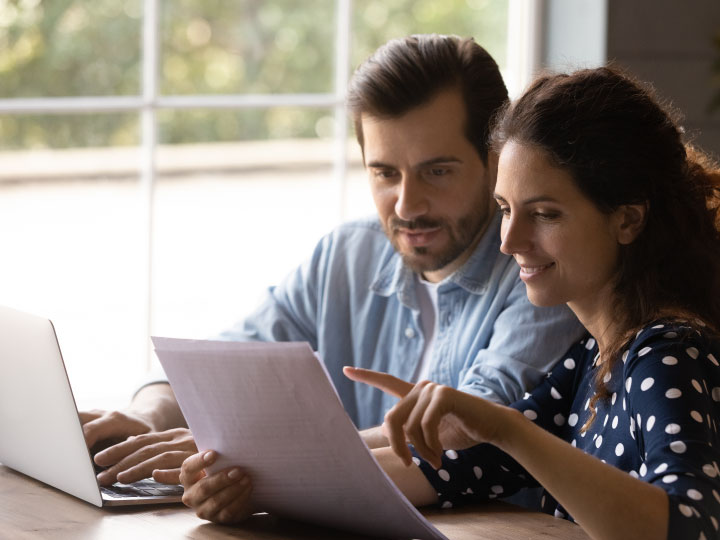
x=32, y=510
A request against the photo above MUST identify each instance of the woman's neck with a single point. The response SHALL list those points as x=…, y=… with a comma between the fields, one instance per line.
x=597, y=315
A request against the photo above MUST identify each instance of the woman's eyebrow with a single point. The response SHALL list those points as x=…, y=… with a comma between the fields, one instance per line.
x=531, y=200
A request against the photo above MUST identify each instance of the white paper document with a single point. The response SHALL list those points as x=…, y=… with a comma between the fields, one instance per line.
x=271, y=409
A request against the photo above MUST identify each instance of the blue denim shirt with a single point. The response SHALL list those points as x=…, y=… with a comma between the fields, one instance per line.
x=354, y=301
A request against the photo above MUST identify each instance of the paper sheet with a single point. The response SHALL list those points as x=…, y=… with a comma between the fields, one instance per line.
x=271, y=408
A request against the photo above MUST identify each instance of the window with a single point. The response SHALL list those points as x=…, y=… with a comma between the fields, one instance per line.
x=163, y=162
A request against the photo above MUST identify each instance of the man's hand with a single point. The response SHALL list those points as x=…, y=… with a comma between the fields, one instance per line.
x=159, y=455
x=223, y=497
x=100, y=426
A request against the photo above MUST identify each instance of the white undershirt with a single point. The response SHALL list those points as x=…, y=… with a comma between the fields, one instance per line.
x=427, y=295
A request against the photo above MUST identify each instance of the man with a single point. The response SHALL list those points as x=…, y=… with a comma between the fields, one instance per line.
x=423, y=293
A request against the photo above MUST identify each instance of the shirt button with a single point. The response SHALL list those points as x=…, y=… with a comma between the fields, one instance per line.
x=409, y=333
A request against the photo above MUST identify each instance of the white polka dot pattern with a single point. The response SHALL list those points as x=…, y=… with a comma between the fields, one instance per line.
x=685, y=510
x=664, y=397
x=679, y=447
x=647, y=384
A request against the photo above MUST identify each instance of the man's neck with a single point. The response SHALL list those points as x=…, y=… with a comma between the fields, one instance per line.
x=436, y=276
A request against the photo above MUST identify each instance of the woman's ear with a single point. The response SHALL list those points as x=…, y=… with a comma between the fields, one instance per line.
x=630, y=221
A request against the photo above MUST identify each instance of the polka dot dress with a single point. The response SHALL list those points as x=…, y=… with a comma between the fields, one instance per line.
x=660, y=425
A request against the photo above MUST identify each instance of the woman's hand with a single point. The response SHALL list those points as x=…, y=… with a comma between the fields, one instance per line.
x=433, y=417
x=223, y=497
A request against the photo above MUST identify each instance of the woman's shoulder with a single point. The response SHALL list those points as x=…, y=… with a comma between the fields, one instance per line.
x=668, y=342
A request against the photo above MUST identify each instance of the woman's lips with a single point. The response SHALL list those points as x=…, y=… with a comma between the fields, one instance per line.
x=530, y=271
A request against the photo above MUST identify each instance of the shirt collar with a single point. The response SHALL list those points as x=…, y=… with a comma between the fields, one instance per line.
x=473, y=276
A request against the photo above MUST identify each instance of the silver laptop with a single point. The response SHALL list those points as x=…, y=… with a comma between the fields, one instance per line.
x=40, y=431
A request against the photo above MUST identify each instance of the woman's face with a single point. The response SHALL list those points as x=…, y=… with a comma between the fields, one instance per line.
x=566, y=248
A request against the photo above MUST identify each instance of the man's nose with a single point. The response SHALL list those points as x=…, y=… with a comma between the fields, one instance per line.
x=412, y=201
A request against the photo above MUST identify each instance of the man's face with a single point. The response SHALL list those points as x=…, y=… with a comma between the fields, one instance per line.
x=431, y=188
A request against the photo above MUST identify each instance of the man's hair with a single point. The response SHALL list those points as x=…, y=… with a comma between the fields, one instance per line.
x=621, y=146
x=408, y=72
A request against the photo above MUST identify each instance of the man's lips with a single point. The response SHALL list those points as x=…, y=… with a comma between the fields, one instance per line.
x=418, y=237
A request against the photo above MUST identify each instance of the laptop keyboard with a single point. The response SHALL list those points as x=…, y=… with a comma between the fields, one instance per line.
x=143, y=488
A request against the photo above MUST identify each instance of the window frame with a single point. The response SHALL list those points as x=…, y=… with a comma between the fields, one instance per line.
x=523, y=38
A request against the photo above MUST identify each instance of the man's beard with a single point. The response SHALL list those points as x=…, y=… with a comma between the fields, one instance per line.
x=461, y=235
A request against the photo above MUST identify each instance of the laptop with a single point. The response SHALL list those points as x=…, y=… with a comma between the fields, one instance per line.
x=40, y=431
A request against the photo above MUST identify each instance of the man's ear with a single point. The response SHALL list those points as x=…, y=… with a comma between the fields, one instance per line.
x=630, y=221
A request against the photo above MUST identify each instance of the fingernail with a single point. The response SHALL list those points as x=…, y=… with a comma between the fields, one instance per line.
x=209, y=455
x=233, y=474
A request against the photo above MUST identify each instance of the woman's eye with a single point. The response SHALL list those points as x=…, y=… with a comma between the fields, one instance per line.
x=547, y=215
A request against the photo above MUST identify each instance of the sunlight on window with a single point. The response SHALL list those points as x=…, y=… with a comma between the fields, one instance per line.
x=241, y=195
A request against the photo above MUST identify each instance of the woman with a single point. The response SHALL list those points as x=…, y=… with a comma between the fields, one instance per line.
x=606, y=210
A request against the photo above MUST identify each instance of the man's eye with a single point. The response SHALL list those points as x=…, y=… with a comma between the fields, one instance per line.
x=384, y=173
x=438, y=171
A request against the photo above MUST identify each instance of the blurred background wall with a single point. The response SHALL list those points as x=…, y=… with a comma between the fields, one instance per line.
x=673, y=45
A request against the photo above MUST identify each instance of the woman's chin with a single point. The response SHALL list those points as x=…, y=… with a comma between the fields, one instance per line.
x=542, y=299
